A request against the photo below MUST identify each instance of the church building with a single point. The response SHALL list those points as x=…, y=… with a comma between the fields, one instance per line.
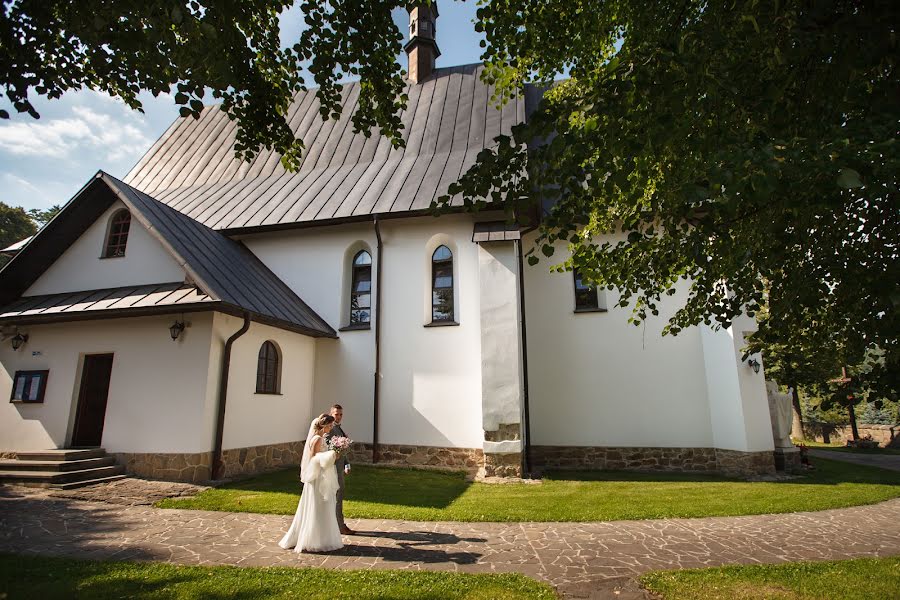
x=192, y=318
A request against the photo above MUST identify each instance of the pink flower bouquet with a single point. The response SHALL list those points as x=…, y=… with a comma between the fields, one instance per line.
x=340, y=445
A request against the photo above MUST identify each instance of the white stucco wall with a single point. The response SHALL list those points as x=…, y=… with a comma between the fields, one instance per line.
x=157, y=387
x=501, y=389
x=315, y=263
x=431, y=377
x=253, y=419
x=596, y=380
x=81, y=268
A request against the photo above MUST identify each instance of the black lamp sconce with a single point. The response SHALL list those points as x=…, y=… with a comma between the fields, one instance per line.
x=19, y=340
x=754, y=364
x=176, y=329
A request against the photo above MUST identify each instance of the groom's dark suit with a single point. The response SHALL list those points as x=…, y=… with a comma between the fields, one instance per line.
x=339, y=464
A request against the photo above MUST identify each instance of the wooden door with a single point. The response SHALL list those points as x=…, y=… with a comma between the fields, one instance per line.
x=92, y=397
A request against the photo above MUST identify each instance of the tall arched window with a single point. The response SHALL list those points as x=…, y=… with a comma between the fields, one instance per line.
x=268, y=370
x=117, y=236
x=442, y=285
x=361, y=289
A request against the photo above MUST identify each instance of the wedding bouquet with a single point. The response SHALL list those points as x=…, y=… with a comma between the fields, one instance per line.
x=341, y=445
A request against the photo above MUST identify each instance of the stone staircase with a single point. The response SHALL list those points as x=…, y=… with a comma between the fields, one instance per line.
x=61, y=469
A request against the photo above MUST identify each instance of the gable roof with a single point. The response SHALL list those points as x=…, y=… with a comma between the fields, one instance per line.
x=344, y=176
x=226, y=275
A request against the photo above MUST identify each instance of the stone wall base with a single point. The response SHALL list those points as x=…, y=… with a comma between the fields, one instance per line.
x=887, y=436
x=196, y=467
x=190, y=467
x=259, y=459
x=704, y=460
x=503, y=465
x=438, y=457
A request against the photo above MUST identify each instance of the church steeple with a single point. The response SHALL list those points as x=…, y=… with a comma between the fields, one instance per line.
x=422, y=48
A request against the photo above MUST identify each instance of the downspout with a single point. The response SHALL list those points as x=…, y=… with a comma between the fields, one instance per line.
x=526, y=420
x=218, y=467
x=376, y=396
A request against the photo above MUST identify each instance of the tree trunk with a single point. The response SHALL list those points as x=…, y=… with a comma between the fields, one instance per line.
x=853, y=428
x=797, y=422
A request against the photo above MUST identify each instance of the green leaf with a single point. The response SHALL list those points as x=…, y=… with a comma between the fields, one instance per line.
x=849, y=179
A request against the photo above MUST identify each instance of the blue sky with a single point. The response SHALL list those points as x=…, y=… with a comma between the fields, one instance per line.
x=45, y=161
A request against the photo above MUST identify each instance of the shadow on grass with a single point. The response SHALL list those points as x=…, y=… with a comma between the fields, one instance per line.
x=394, y=486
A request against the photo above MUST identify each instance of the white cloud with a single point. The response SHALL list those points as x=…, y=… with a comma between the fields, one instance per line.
x=110, y=131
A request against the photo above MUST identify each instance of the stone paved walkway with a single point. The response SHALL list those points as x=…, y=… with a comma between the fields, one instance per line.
x=583, y=560
x=883, y=461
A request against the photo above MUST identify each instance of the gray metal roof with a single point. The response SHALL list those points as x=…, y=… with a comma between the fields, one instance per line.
x=224, y=272
x=143, y=299
x=449, y=119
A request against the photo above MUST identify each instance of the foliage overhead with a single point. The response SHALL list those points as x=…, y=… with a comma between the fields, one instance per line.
x=231, y=50
x=15, y=225
x=748, y=147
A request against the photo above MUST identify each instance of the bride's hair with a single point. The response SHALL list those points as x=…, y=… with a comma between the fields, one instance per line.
x=323, y=420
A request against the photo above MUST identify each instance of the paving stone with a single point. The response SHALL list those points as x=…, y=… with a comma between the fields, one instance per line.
x=583, y=560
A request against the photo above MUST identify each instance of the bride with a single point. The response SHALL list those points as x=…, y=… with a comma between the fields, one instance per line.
x=315, y=527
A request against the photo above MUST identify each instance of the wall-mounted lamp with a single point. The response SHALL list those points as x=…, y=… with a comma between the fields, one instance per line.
x=176, y=329
x=754, y=364
x=18, y=340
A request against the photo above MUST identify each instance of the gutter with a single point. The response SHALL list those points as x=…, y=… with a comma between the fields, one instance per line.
x=526, y=419
x=377, y=389
x=218, y=467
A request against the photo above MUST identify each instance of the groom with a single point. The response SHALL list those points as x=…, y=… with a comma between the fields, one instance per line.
x=342, y=466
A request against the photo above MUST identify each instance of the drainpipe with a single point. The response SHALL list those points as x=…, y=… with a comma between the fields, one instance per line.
x=526, y=420
x=218, y=467
x=375, y=399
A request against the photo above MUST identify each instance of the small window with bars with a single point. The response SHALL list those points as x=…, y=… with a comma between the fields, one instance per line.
x=117, y=237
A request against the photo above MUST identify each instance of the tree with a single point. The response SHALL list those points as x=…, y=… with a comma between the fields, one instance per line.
x=15, y=225
x=42, y=217
x=230, y=49
x=747, y=147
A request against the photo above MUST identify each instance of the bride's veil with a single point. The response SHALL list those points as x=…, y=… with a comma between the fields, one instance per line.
x=308, y=449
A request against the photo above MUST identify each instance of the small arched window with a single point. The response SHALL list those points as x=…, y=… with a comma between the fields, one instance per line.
x=442, y=285
x=361, y=289
x=268, y=369
x=117, y=236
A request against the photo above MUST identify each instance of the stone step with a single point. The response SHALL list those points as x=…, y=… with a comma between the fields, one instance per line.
x=48, y=478
x=62, y=454
x=56, y=465
x=78, y=484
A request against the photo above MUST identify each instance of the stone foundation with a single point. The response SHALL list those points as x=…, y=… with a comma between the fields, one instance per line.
x=456, y=459
x=194, y=467
x=259, y=459
x=704, y=460
x=503, y=465
x=743, y=464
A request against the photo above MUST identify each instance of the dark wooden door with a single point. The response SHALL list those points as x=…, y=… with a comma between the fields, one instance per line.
x=92, y=396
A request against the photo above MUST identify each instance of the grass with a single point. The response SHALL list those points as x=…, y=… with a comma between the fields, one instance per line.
x=834, y=580
x=406, y=494
x=838, y=447
x=49, y=578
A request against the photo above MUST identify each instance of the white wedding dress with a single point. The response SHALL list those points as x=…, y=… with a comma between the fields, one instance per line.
x=315, y=526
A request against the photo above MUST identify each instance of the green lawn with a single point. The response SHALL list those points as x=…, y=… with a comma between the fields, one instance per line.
x=389, y=493
x=48, y=578
x=836, y=580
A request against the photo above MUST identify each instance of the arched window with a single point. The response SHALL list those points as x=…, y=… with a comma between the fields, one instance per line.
x=442, y=285
x=268, y=370
x=117, y=236
x=361, y=289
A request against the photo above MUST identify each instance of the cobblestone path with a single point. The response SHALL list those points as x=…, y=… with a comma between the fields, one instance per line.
x=583, y=560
